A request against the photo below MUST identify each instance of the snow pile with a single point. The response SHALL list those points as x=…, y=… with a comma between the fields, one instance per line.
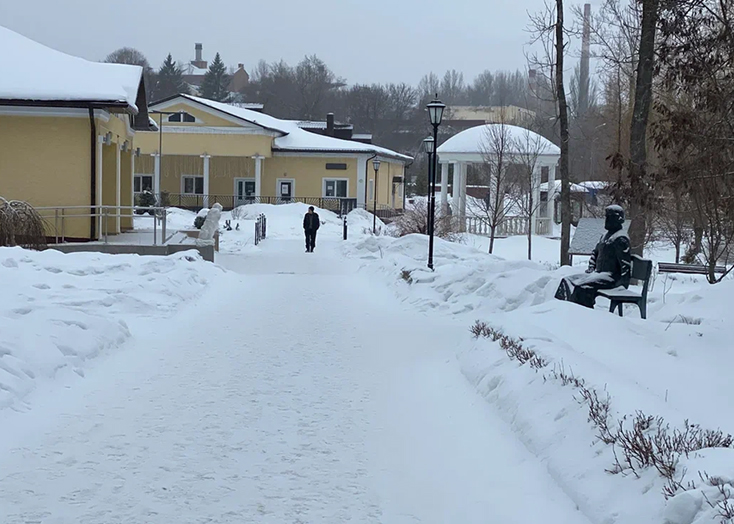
x=675, y=365
x=465, y=279
x=60, y=310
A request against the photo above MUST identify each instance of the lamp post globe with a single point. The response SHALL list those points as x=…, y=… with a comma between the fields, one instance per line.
x=435, y=111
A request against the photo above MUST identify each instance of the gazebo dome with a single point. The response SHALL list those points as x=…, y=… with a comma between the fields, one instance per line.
x=472, y=141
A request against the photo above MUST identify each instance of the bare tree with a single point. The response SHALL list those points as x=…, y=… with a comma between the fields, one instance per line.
x=131, y=56
x=639, y=184
x=528, y=147
x=496, y=148
x=548, y=30
x=695, y=123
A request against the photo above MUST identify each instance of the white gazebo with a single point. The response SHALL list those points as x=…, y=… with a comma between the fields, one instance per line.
x=472, y=147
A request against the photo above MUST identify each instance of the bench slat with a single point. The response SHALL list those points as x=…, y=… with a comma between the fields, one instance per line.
x=620, y=293
x=693, y=269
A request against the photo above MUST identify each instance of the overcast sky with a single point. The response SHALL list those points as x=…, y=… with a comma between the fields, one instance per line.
x=363, y=41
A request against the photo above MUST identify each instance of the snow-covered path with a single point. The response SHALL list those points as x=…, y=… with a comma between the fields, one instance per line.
x=298, y=393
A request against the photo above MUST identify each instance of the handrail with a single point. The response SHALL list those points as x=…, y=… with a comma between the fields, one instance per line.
x=103, y=213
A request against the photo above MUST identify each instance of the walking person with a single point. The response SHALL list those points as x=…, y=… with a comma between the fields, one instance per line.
x=311, y=224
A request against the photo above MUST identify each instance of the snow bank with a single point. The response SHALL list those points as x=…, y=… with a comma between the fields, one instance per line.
x=675, y=365
x=61, y=310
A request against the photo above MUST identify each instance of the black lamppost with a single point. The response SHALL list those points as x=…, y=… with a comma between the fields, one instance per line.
x=429, y=144
x=376, y=167
x=435, y=114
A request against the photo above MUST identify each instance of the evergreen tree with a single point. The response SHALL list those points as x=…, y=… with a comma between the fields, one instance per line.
x=170, y=80
x=216, y=81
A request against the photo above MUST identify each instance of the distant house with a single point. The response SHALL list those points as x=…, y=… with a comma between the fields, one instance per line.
x=460, y=118
x=194, y=71
x=330, y=127
x=216, y=152
x=66, y=135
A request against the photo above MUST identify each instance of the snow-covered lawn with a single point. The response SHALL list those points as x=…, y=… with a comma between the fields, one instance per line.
x=675, y=365
x=59, y=311
x=280, y=386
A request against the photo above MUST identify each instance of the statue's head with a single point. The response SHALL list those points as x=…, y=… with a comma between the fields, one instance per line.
x=614, y=218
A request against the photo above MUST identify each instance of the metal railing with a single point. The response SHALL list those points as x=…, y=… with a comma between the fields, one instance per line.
x=260, y=228
x=58, y=219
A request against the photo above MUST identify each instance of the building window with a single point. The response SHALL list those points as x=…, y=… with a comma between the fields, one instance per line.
x=336, y=188
x=142, y=183
x=544, y=174
x=371, y=190
x=181, y=117
x=192, y=185
x=342, y=167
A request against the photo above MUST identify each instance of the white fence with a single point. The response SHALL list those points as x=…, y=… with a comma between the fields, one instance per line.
x=509, y=226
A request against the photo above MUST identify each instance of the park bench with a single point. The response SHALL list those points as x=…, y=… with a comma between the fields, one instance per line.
x=619, y=296
x=688, y=269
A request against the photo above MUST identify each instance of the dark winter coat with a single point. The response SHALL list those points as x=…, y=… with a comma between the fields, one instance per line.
x=612, y=255
x=311, y=222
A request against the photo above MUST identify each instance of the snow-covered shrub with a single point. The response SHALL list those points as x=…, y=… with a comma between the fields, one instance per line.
x=21, y=225
x=415, y=220
x=144, y=200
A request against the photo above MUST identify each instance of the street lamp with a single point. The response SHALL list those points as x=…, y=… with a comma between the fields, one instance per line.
x=376, y=167
x=429, y=145
x=435, y=115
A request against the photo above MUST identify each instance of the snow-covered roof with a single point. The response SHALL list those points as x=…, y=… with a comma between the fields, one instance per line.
x=594, y=184
x=473, y=140
x=34, y=72
x=295, y=139
x=191, y=69
x=575, y=188
x=311, y=124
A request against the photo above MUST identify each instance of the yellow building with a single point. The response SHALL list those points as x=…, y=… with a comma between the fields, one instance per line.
x=215, y=152
x=67, y=127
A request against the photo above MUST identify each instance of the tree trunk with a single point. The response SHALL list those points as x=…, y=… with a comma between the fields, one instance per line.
x=638, y=126
x=491, y=238
x=563, y=119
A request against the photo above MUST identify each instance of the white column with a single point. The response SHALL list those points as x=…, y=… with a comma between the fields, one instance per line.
x=118, y=181
x=206, y=179
x=535, y=192
x=132, y=188
x=100, y=166
x=157, y=175
x=455, y=189
x=258, y=174
x=444, y=189
x=463, y=168
x=361, y=178
x=551, y=192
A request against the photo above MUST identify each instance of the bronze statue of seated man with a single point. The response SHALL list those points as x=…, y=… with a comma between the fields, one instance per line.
x=609, y=266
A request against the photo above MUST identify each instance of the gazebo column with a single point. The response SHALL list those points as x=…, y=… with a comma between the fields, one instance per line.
x=444, y=188
x=551, y=194
x=462, y=195
x=535, y=192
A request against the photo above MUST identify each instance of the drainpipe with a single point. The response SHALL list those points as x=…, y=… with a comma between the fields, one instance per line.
x=405, y=181
x=366, y=178
x=93, y=221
